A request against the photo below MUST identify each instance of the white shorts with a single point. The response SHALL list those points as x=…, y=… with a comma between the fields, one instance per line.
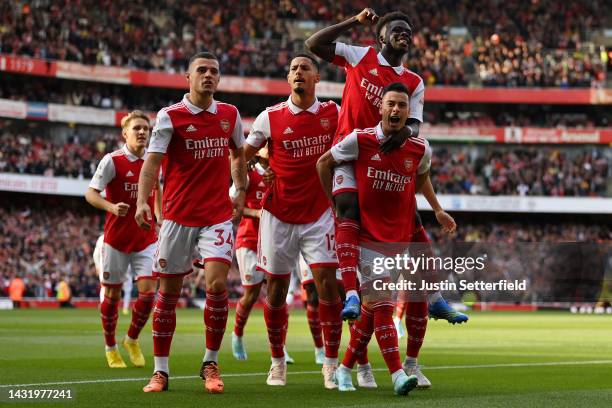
x=304, y=273
x=280, y=244
x=247, y=265
x=119, y=266
x=344, y=179
x=177, y=243
x=97, y=254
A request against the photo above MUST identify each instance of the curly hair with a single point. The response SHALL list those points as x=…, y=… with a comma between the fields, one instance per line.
x=387, y=18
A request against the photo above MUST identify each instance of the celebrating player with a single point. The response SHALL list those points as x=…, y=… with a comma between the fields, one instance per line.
x=367, y=73
x=193, y=139
x=296, y=216
x=125, y=246
x=386, y=188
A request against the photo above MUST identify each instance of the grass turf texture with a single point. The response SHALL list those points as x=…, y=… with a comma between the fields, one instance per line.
x=559, y=360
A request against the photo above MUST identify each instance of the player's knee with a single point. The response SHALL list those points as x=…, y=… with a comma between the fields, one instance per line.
x=112, y=292
x=216, y=285
x=347, y=206
x=277, y=291
x=250, y=296
x=311, y=295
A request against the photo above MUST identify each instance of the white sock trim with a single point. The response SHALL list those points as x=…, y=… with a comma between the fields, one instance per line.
x=161, y=364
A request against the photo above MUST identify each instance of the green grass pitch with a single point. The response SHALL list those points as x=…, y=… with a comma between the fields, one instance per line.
x=496, y=360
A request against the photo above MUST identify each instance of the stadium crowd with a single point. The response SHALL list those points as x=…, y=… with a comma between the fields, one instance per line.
x=499, y=170
x=455, y=169
x=506, y=43
x=26, y=154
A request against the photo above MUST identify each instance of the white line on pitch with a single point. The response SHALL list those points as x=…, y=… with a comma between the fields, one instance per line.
x=190, y=377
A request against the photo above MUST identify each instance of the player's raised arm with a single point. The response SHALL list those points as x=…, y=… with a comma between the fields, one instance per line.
x=322, y=43
x=146, y=181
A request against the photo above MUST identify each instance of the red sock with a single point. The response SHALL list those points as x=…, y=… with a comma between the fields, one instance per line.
x=384, y=329
x=140, y=313
x=215, y=318
x=164, y=323
x=242, y=315
x=312, y=313
x=109, y=314
x=276, y=319
x=361, y=333
x=347, y=249
x=416, y=324
x=400, y=309
x=362, y=359
x=331, y=323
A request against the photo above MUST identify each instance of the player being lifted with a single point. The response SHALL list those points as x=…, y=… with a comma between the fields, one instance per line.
x=367, y=73
x=386, y=186
x=125, y=246
x=192, y=141
x=296, y=216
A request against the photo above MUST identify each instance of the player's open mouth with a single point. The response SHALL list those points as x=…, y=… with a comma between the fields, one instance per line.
x=394, y=119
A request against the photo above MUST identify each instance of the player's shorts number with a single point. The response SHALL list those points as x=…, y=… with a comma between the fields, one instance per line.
x=220, y=240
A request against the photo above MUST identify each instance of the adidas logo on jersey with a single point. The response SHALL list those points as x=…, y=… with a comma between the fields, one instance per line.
x=191, y=128
x=376, y=157
x=374, y=72
x=287, y=131
x=129, y=174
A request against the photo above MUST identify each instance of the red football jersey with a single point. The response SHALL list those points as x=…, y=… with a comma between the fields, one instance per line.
x=248, y=230
x=297, y=138
x=367, y=74
x=385, y=182
x=196, y=169
x=118, y=174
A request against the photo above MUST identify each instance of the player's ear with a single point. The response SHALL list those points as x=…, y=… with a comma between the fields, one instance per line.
x=317, y=78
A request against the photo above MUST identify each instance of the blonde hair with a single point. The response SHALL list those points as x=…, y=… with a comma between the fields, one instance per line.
x=134, y=115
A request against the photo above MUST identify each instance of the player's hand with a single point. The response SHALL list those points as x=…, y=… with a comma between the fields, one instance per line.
x=143, y=216
x=268, y=177
x=395, y=141
x=238, y=206
x=120, y=209
x=447, y=222
x=367, y=17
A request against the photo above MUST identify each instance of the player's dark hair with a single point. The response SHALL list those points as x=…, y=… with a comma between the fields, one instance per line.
x=396, y=87
x=310, y=57
x=203, y=54
x=387, y=18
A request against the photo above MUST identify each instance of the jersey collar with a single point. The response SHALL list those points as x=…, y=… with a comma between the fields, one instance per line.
x=399, y=70
x=195, y=109
x=131, y=156
x=380, y=136
x=314, y=108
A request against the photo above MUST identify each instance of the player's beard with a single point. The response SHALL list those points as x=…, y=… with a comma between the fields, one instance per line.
x=298, y=90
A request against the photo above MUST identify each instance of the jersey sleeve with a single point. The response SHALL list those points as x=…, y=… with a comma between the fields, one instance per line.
x=162, y=133
x=348, y=54
x=425, y=162
x=104, y=173
x=238, y=134
x=417, y=100
x=347, y=149
x=260, y=130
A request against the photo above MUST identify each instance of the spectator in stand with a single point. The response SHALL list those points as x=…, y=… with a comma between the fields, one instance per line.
x=510, y=43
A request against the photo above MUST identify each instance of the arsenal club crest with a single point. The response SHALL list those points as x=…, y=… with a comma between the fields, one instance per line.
x=325, y=123
x=225, y=125
x=408, y=164
x=339, y=179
